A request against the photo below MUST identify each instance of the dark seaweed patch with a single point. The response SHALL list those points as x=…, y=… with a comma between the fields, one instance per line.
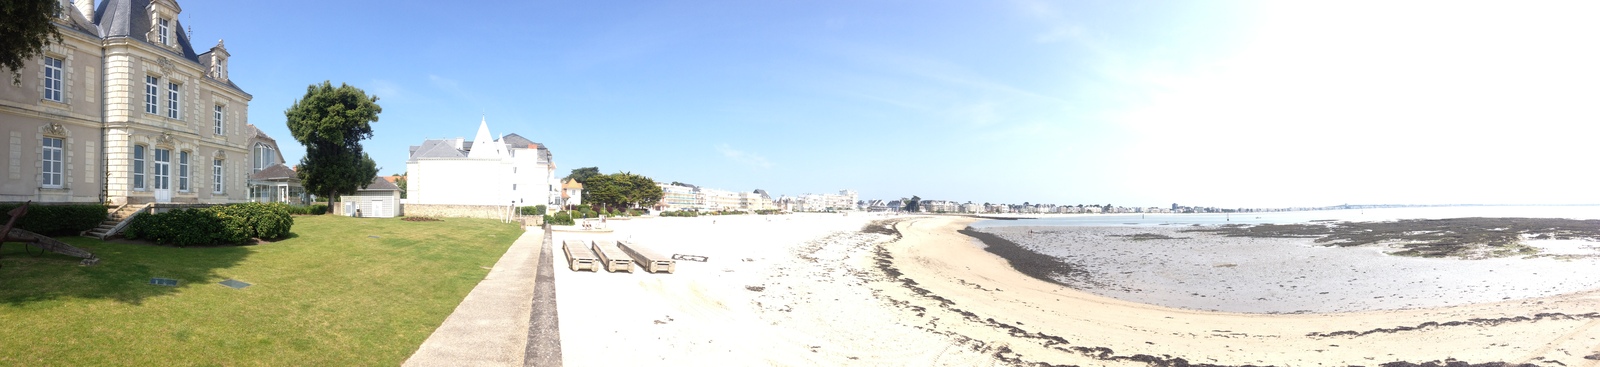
x=1456, y=237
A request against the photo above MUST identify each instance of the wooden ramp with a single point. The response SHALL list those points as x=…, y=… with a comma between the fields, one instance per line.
x=579, y=257
x=614, y=260
x=651, y=261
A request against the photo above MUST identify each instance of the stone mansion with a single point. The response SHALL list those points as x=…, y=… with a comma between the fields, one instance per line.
x=124, y=110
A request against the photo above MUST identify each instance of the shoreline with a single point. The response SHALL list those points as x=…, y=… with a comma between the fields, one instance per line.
x=1202, y=270
x=1025, y=320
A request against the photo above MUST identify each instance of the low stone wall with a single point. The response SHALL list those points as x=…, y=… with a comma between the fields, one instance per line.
x=455, y=211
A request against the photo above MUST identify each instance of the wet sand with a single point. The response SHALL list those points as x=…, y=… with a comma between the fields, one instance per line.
x=1206, y=271
x=981, y=297
x=829, y=290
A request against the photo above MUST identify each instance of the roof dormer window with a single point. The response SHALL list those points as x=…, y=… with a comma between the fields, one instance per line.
x=162, y=29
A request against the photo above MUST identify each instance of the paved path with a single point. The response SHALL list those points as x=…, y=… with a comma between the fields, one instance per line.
x=491, y=326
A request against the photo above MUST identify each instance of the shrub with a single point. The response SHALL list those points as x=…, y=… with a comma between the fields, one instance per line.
x=182, y=227
x=561, y=218
x=219, y=225
x=531, y=210
x=53, y=220
x=635, y=212
x=681, y=213
x=315, y=209
x=270, y=221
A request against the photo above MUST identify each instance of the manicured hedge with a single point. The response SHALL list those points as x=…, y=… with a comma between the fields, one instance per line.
x=219, y=225
x=53, y=220
x=531, y=210
x=315, y=209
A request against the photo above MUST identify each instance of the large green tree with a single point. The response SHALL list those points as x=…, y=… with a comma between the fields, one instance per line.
x=913, y=203
x=605, y=191
x=582, y=175
x=400, y=181
x=621, y=191
x=643, y=191
x=27, y=28
x=331, y=122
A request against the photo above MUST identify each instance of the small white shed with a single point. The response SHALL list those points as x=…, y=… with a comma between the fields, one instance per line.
x=379, y=199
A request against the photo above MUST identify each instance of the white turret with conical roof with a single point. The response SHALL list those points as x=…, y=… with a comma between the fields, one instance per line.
x=484, y=144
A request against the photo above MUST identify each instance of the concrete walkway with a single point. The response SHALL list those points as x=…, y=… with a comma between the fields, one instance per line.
x=490, y=326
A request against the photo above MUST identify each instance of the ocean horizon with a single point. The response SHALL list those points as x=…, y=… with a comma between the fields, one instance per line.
x=1306, y=216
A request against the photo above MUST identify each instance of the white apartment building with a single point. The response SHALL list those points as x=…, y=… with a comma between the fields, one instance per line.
x=677, y=197
x=511, y=170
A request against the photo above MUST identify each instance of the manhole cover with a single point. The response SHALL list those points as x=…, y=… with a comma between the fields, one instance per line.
x=235, y=284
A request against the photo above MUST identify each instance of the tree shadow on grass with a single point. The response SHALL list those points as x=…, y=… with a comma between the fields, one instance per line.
x=123, y=274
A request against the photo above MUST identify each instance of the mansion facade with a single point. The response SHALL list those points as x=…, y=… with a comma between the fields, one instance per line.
x=124, y=110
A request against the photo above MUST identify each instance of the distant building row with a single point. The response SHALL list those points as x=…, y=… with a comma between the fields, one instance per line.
x=689, y=197
x=945, y=206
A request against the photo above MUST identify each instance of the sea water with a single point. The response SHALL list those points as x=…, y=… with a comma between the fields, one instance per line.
x=1269, y=275
x=1305, y=216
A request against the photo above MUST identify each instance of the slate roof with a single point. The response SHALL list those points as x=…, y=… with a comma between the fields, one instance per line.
x=379, y=184
x=515, y=141
x=131, y=19
x=436, y=148
x=256, y=133
x=79, y=21
x=274, y=172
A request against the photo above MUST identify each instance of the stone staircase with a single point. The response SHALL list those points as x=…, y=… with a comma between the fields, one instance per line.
x=116, y=219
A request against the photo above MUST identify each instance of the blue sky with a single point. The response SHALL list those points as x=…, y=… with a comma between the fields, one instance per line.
x=1135, y=103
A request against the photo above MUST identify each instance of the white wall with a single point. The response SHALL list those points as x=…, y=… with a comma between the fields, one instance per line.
x=459, y=182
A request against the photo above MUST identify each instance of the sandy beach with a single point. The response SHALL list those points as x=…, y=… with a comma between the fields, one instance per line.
x=813, y=289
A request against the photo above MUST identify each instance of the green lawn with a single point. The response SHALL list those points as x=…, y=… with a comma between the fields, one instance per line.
x=328, y=296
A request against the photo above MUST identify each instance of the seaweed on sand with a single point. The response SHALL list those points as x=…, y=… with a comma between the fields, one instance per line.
x=1148, y=236
x=1455, y=237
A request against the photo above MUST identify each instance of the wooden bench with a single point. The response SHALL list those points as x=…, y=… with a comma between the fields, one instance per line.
x=579, y=257
x=650, y=261
x=613, y=259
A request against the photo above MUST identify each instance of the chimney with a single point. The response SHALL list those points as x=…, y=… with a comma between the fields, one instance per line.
x=86, y=7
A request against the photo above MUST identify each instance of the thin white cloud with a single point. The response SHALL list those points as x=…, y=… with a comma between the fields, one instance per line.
x=453, y=88
x=743, y=157
x=443, y=82
x=386, y=89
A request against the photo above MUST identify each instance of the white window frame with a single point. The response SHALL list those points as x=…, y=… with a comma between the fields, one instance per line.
x=138, y=167
x=152, y=88
x=173, y=100
x=217, y=119
x=263, y=158
x=50, y=160
x=217, y=176
x=53, y=75
x=183, y=171
x=162, y=171
x=163, y=27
